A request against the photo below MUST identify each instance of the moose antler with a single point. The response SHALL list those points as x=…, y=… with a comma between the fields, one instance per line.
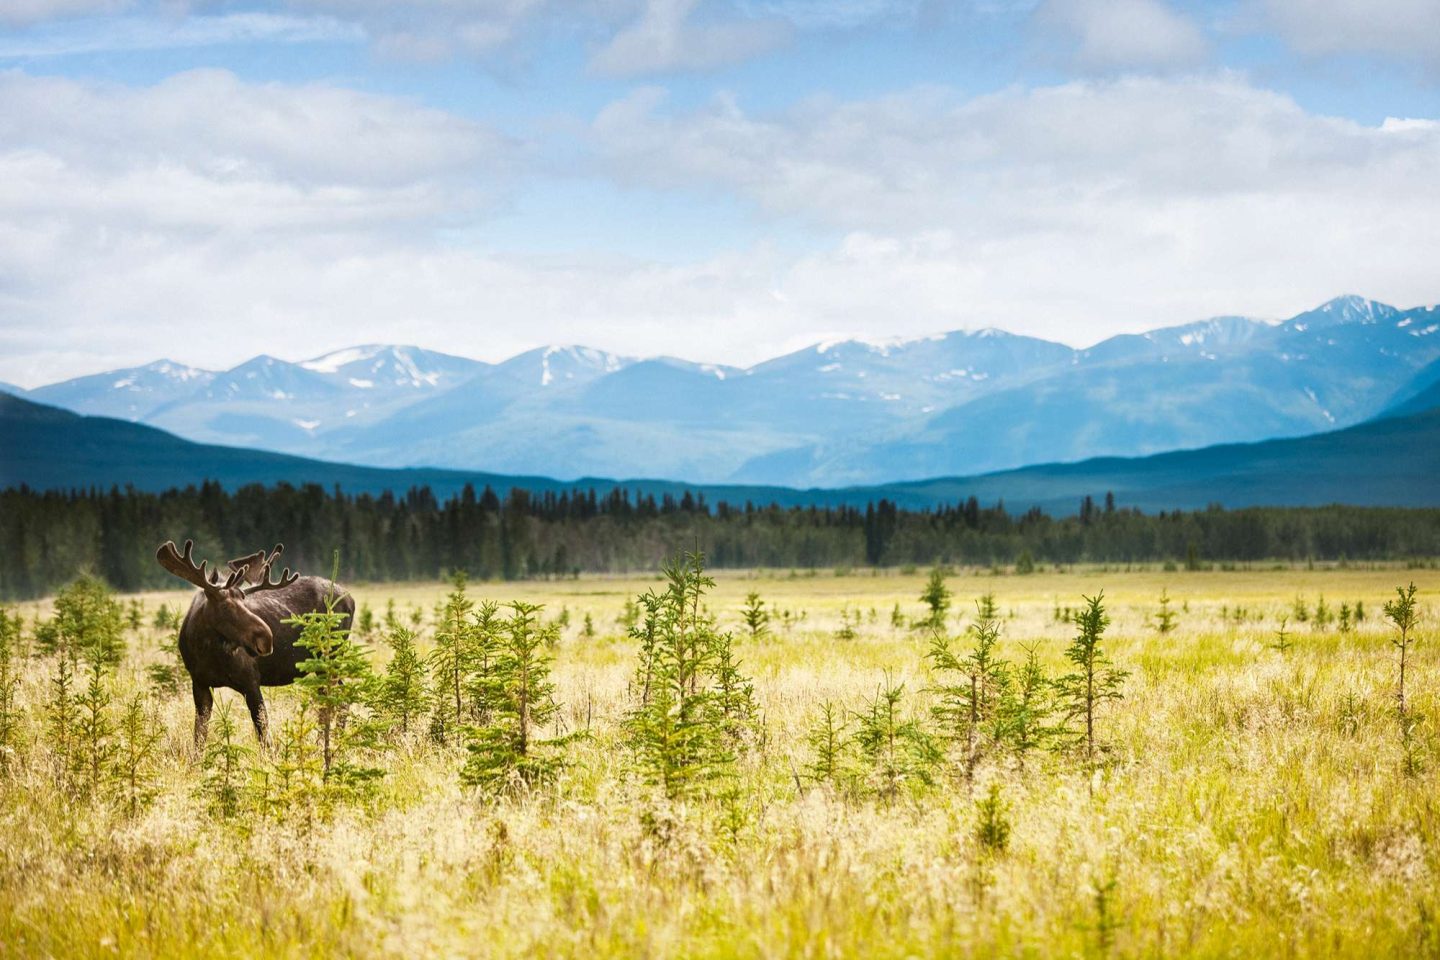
x=286, y=578
x=258, y=563
x=260, y=578
x=183, y=566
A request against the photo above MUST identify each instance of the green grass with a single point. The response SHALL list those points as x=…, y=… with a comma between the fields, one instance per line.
x=1254, y=804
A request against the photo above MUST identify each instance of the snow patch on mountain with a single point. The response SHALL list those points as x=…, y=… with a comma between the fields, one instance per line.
x=332, y=362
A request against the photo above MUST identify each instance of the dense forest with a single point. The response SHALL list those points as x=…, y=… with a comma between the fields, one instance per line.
x=46, y=538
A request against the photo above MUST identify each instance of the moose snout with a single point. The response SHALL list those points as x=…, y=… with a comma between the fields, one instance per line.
x=262, y=643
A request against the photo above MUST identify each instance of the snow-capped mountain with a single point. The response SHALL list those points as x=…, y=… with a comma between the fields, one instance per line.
x=127, y=394
x=849, y=411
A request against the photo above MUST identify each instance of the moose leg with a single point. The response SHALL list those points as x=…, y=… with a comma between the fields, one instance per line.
x=258, y=716
x=204, y=700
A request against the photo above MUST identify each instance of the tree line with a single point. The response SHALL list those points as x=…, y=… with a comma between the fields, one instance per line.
x=47, y=537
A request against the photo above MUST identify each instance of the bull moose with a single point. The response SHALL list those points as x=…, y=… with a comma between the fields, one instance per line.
x=235, y=634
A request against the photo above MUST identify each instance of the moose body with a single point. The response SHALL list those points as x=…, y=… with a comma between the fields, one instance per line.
x=235, y=634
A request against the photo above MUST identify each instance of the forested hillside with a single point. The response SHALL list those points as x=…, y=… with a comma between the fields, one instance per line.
x=46, y=538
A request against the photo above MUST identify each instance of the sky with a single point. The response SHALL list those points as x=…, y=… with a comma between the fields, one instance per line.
x=720, y=180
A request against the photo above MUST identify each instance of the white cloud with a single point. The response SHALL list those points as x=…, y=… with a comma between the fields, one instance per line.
x=205, y=150
x=1406, y=28
x=666, y=37
x=1068, y=211
x=96, y=35
x=1111, y=34
x=208, y=220
x=1020, y=160
x=437, y=29
x=36, y=11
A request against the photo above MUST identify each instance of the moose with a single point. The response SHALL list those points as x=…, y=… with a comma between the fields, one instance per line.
x=235, y=634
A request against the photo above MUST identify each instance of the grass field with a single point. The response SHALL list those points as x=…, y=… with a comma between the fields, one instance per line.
x=1252, y=801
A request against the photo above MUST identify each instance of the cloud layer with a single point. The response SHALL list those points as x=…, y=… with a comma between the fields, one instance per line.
x=209, y=219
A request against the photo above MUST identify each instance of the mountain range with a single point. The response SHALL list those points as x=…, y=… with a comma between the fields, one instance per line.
x=1390, y=461
x=836, y=414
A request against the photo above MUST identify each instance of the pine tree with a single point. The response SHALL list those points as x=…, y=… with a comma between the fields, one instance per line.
x=167, y=675
x=450, y=660
x=1165, y=619
x=679, y=731
x=1401, y=612
x=897, y=751
x=291, y=780
x=967, y=707
x=1282, y=641
x=482, y=684
x=89, y=621
x=756, y=617
x=224, y=765
x=992, y=827
x=506, y=751
x=139, y=734
x=1026, y=708
x=62, y=717
x=95, y=733
x=986, y=608
x=338, y=682
x=734, y=693
x=1094, y=681
x=828, y=742
x=402, y=690
x=936, y=596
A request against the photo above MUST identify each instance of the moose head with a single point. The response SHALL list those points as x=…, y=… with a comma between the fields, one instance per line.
x=224, y=609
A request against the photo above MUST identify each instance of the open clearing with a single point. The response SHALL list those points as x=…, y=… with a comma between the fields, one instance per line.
x=1253, y=801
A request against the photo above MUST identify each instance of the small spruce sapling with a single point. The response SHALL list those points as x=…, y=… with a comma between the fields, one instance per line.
x=1026, y=707
x=992, y=821
x=96, y=733
x=482, y=683
x=293, y=774
x=936, y=596
x=224, y=764
x=88, y=621
x=338, y=682
x=828, y=746
x=690, y=691
x=897, y=751
x=506, y=751
x=167, y=675
x=402, y=689
x=970, y=688
x=756, y=617
x=62, y=717
x=139, y=734
x=450, y=660
x=1402, y=613
x=1094, y=680
x=1282, y=642
x=1165, y=618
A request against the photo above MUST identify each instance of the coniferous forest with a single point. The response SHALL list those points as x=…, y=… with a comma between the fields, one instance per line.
x=46, y=538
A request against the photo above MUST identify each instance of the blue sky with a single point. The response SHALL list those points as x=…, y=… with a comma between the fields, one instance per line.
x=718, y=180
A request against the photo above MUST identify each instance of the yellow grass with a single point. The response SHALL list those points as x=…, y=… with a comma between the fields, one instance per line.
x=1257, y=803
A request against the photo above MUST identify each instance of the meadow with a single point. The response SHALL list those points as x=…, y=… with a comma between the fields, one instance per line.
x=1254, y=790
